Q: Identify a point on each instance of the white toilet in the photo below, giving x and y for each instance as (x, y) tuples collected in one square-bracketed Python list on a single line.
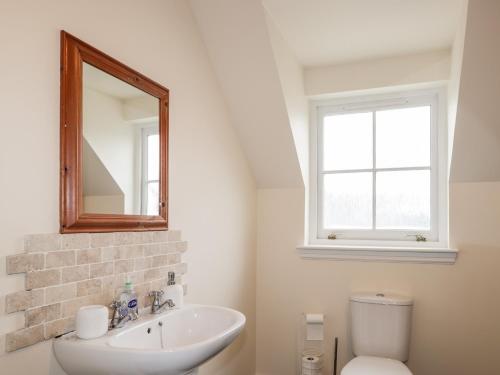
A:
[(380, 332)]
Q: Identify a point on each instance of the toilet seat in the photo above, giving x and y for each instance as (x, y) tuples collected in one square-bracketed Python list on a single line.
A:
[(365, 365)]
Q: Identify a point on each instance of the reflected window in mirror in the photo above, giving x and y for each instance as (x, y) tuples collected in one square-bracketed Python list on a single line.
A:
[(150, 170)]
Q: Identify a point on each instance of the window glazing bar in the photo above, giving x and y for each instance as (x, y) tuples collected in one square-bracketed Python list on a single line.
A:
[(378, 170)]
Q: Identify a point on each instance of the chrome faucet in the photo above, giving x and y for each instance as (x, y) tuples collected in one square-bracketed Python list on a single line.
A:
[(157, 306), (121, 314)]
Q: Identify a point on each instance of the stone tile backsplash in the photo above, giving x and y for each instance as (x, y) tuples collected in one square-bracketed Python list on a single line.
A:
[(67, 271)]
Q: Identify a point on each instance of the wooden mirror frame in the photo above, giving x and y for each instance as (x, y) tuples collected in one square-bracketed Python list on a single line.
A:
[(72, 218)]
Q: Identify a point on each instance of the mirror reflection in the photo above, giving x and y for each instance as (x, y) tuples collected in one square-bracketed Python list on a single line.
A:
[(121, 149)]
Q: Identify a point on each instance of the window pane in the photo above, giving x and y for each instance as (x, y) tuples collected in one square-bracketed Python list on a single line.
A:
[(348, 200), (348, 141), (153, 157), (403, 137), (403, 200), (153, 198)]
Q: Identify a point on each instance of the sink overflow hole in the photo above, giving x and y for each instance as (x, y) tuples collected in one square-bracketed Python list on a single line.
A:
[(149, 330)]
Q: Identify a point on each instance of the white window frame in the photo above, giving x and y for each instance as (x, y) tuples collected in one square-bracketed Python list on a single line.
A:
[(145, 132), (390, 245)]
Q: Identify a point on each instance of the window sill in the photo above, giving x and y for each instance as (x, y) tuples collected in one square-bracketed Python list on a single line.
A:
[(379, 253)]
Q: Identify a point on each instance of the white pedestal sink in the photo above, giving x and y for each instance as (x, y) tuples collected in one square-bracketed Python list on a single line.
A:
[(175, 342)]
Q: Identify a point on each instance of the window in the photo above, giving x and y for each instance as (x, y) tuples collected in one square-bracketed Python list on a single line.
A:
[(379, 171), (150, 181)]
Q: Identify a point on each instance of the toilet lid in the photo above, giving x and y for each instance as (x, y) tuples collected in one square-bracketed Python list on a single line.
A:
[(365, 365)]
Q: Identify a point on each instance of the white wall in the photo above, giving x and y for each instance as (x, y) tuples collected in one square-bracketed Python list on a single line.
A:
[(455, 322), (375, 74), (212, 192)]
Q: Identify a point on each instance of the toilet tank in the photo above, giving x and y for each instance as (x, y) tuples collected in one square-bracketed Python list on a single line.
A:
[(381, 325)]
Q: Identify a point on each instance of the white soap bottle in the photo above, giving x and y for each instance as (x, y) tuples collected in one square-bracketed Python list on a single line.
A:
[(174, 291)]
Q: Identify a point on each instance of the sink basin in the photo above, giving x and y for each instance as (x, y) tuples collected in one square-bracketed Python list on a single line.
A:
[(171, 343)]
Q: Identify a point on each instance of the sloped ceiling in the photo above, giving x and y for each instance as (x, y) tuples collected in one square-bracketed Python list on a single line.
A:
[(96, 178), (476, 147), (239, 47)]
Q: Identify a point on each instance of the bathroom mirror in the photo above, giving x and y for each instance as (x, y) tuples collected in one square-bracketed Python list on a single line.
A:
[(114, 132)]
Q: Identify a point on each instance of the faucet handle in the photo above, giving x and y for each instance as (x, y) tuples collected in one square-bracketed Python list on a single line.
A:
[(156, 293), (115, 304)]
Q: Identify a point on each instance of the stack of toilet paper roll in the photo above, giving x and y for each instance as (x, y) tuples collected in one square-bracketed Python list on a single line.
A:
[(312, 363), (312, 350)]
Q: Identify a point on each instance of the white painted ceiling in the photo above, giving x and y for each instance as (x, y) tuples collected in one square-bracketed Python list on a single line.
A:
[(327, 32)]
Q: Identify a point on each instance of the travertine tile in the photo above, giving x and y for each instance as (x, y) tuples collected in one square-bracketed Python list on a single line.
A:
[(171, 247), (124, 265), (23, 300), (41, 279), (42, 314), (110, 253), (181, 246), (147, 301), (2, 344), (101, 269), (131, 251), (60, 293), (142, 291), (75, 241), (88, 256), (23, 338), (181, 268), (145, 237), (65, 272), (159, 284), (102, 239), (160, 260), (142, 263), (42, 242), (135, 277), (127, 238), (159, 236), (152, 249), (118, 282), (76, 273), (174, 235), (174, 258), (70, 308), (23, 263), (151, 274), (88, 287), (108, 284), (60, 259), (59, 327)]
